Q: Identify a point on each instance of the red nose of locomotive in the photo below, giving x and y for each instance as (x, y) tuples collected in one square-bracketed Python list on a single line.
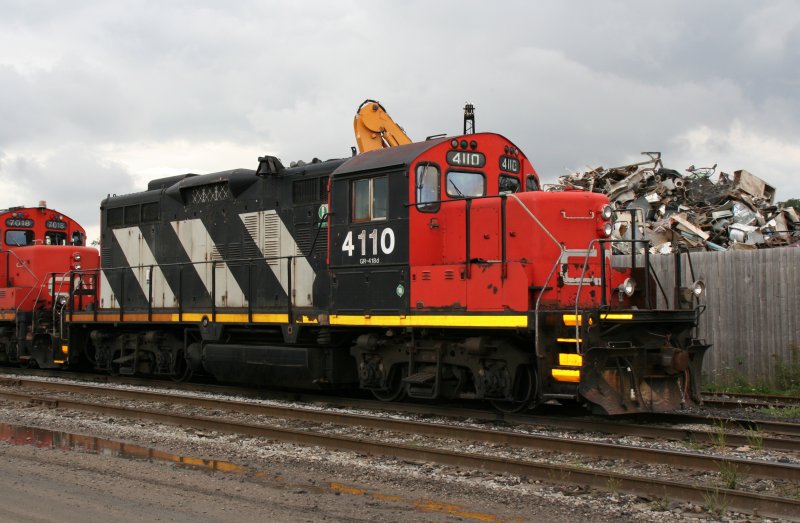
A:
[(38, 276)]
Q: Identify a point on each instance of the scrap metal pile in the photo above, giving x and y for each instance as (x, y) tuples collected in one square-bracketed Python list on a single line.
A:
[(691, 211)]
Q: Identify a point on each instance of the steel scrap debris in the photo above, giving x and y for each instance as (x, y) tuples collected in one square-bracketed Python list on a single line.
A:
[(699, 210)]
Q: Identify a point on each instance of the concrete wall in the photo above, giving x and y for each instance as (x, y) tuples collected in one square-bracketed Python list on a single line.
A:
[(753, 309)]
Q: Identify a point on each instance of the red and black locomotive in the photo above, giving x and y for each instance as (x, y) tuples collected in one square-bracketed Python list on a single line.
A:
[(437, 269)]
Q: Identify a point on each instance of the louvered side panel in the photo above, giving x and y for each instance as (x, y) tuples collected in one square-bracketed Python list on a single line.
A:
[(272, 239)]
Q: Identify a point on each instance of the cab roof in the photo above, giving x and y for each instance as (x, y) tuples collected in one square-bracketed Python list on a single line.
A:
[(385, 158)]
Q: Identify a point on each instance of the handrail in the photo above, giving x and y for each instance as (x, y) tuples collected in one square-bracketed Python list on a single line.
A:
[(580, 288), (561, 249), (181, 265), (648, 271)]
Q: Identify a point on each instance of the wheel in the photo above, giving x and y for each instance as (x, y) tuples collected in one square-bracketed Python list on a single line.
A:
[(181, 371), (90, 354), (523, 391), (396, 389)]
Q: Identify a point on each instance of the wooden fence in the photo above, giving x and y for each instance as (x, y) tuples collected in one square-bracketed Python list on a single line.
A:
[(752, 317)]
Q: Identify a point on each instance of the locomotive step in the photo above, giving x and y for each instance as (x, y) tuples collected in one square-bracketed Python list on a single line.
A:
[(420, 378)]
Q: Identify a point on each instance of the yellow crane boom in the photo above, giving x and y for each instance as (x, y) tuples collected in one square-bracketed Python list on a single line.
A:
[(375, 129)]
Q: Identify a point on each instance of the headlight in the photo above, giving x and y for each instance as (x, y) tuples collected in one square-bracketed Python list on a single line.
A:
[(628, 286), (606, 212), (77, 266), (608, 229), (699, 289)]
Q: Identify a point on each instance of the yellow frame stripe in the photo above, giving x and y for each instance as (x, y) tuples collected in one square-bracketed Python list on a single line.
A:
[(430, 321), (498, 321), (569, 340), (616, 316), (190, 317), (571, 320)]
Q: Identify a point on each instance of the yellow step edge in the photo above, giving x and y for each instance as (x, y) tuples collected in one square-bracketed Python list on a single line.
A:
[(570, 375), (570, 360)]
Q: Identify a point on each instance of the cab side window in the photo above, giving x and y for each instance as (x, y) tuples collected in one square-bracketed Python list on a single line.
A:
[(370, 199), (508, 184), (55, 238), (531, 184), (427, 184)]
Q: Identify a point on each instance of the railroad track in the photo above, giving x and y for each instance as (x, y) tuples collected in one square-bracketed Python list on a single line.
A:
[(736, 500), (771, 435), (756, 401)]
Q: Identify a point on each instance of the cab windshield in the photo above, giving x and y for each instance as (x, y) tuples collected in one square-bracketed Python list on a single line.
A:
[(19, 238), (465, 184)]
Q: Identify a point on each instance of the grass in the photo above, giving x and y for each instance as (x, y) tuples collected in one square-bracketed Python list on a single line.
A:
[(613, 485), (785, 383), (755, 439), (782, 412), (660, 504), (716, 503), (693, 445), (791, 490), (729, 474), (720, 436)]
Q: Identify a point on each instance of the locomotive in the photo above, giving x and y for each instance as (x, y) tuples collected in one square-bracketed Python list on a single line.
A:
[(38, 249), (430, 270)]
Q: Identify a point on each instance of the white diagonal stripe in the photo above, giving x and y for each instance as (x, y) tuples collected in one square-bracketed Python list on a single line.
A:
[(199, 246), (139, 257), (107, 298), (274, 240)]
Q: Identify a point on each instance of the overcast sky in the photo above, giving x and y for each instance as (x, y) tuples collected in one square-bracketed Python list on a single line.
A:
[(99, 97)]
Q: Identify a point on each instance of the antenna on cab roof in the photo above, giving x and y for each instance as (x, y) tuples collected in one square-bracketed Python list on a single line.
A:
[(469, 118)]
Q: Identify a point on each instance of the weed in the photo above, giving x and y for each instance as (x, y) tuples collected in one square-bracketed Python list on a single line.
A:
[(720, 435), (791, 490), (560, 476), (755, 439), (613, 485), (716, 503), (660, 504), (728, 473), (787, 374), (693, 445)]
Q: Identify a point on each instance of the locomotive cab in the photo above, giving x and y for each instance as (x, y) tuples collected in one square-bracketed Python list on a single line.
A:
[(473, 283)]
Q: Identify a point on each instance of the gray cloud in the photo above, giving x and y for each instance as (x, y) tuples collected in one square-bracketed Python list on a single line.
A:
[(572, 83)]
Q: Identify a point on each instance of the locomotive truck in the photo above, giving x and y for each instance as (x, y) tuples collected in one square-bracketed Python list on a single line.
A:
[(431, 270)]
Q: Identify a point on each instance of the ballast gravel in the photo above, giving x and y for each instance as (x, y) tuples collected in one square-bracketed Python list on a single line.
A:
[(375, 487)]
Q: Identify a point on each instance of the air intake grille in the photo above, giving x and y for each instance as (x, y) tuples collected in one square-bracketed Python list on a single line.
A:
[(214, 192)]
